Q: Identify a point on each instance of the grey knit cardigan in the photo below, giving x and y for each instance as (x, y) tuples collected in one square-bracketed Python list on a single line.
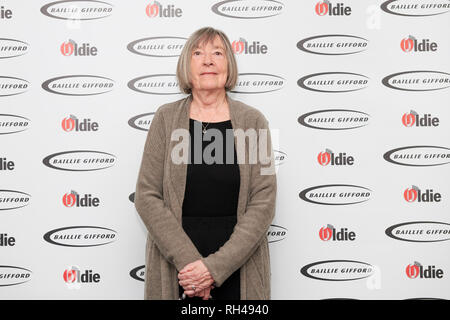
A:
[(159, 198)]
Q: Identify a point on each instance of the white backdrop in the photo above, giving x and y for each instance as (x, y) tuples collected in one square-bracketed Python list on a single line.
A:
[(344, 77)]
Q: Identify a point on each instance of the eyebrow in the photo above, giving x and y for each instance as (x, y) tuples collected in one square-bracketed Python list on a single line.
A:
[(215, 47)]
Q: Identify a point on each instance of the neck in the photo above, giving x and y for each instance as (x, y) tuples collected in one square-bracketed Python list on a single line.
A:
[(208, 98)]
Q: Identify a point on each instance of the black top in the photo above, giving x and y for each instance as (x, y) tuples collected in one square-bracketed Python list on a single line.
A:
[(211, 189), (211, 196)]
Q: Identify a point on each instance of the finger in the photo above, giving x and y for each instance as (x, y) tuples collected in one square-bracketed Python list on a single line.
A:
[(206, 294), (186, 268), (189, 293)]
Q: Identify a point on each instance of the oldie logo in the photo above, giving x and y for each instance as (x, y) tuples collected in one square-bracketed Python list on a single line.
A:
[(242, 46), (6, 165), (10, 86), (338, 270), (73, 124), (249, 83), (326, 8), (328, 157), (330, 233), (80, 160), (11, 276), (157, 46), (5, 13), (334, 119), (421, 80), (77, 10), (74, 277), (333, 44), (160, 84), (74, 199), (141, 121), (336, 194), (411, 44), (6, 240), (81, 236), (78, 85), (333, 82), (276, 233), (248, 9), (416, 194), (157, 10), (138, 273), (420, 231), (10, 199), (10, 48), (418, 271), (418, 156), (413, 119), (416, 8), (71, 48)]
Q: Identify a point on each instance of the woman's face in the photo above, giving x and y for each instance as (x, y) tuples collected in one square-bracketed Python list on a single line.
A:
[(209, 66)]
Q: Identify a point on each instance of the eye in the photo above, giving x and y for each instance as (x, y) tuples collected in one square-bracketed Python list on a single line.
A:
[(218, 53), (196, 53)]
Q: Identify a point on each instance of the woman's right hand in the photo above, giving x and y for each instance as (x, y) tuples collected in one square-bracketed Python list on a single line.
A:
[(204, 294)]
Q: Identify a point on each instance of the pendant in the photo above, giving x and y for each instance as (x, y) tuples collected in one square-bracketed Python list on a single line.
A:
[(204, 131)]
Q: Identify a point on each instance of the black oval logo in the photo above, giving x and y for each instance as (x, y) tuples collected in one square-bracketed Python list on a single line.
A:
[(81, 236), (338, 270), (333, 44), (333, 82), (77, 10), (334, 119), (420, 231), (11, 276), (336, 194), (416, 8), (80, 160), (138, 273), (141, 121), (78, 85), (418, 156)]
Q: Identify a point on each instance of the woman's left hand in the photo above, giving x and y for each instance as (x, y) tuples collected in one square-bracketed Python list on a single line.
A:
[(195, 275)]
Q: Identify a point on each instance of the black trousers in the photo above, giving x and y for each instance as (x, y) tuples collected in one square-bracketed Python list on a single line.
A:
[(208, 234)]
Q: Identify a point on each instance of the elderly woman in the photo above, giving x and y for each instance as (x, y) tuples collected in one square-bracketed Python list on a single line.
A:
[(207, 218)]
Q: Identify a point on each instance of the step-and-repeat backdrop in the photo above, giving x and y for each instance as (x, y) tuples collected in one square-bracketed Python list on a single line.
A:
[(357, 98)]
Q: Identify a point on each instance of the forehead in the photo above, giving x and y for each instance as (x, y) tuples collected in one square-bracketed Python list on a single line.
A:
[(212, 40)]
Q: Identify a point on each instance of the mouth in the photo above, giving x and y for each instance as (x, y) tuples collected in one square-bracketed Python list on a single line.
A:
[(207, 73)]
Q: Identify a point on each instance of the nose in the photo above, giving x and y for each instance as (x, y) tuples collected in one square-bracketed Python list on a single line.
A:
[(208, 60)]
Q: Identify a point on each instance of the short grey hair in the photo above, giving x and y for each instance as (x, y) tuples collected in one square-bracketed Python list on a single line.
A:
[(205, 35)]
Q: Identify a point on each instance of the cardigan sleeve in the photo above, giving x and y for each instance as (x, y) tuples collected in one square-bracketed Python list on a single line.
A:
[(253, 225), (162, 225)]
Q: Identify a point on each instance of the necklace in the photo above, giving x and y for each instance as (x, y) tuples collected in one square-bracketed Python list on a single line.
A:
[(207, 123)]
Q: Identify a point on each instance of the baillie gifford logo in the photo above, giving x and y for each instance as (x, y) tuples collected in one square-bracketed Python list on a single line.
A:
[(415, 8), (242, 46), (330, 158), (330, 233), (73, 124), (77, 10), (413, 119), (248, 9), (326, 8), (73, 199), (71, 48), (417, 270), (157, 10), (414, 194), (74, 277), (411, 44)]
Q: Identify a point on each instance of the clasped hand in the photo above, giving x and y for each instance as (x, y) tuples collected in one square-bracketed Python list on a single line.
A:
[(196, 280)]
